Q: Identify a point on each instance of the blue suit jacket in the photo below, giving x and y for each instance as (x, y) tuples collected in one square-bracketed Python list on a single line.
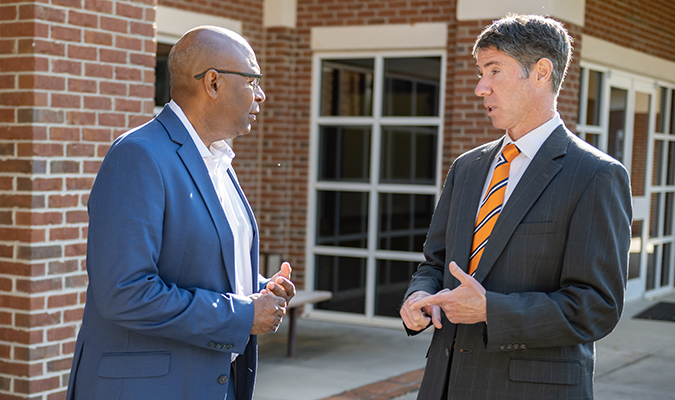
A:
[(160, 320)]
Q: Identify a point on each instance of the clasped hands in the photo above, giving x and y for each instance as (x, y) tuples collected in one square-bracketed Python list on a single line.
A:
[(465, 304), (271, 303)]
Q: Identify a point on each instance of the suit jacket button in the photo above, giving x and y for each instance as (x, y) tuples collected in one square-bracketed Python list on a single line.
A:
[(447, 352), (212, 344), (222, 379), (502, 347)]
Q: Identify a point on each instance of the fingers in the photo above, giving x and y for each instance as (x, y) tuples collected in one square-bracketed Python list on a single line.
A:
[(414, 318), (269, 312), (281, 287), (424, 302), (436, 317)]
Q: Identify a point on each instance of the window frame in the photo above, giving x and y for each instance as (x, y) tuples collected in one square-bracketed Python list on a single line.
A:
[(376, 121), (635, 83)]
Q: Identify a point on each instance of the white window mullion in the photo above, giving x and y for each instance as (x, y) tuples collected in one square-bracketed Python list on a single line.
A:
[(373, 215)]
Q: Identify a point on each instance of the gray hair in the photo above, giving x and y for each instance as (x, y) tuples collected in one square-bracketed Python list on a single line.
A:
[(528, 39)]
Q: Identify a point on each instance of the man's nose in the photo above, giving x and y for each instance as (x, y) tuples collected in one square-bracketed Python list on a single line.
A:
[(482, 89), (260, 95)]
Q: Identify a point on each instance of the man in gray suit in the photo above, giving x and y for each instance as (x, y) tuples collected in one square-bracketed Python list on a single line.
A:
[(519, 293)]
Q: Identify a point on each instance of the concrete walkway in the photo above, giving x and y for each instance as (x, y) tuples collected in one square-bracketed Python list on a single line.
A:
[(338, 361)]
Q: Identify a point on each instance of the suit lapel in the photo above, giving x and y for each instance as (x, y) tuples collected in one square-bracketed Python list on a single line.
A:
[(541, 171), (195, 166)]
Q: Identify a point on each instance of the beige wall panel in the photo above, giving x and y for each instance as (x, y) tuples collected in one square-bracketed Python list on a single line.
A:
[(567, 10), (611, 55), (380, 37), (172, 23)]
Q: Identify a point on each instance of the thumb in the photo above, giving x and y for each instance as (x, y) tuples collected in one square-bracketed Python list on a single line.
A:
[(286, 270), (458, 273)]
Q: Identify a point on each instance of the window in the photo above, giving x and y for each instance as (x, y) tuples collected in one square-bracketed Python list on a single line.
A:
[(632, 118), (376, 135), (162, 88)]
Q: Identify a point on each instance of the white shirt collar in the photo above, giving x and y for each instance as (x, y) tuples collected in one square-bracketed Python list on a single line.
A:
[(219, 149), (530, 143)]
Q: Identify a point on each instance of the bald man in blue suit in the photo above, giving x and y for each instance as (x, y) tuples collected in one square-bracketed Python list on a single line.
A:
[(175, 300)]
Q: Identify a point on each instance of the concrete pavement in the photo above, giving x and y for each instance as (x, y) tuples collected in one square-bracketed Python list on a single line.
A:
[(636, 361)]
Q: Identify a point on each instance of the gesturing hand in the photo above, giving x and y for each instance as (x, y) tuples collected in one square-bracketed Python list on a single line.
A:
[(280, 284), (465, 304), (417, 319), (269, 310)]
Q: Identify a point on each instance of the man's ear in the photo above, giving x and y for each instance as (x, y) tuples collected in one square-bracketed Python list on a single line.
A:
[(543, 71), (211, 83)]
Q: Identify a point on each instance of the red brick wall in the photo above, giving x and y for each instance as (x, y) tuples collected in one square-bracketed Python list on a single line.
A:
[(645, 26), (73, 75)]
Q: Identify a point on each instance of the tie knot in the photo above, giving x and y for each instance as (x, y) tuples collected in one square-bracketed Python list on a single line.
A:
[(510, 152)]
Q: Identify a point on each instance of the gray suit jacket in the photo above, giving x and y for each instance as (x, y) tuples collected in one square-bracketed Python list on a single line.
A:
[(554, 269)]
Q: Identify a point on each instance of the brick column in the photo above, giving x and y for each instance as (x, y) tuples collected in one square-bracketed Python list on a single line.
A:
[(74, 74)]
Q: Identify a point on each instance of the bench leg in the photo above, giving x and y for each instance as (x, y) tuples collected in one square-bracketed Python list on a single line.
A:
[(292, 317)]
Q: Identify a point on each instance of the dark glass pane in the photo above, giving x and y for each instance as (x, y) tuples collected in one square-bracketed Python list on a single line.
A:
[(635, 250), (617, 123), (393, 277), (640, 141), (665, 264), (342, 219), (657, 171), (668, 215), (652, 257), (655, 210), (670, 172), (346, 278), (579, 97), (162, 88), (593, 140), (411, 87), (593, 103), (661, 97), (344, 153), (409, 154), (404, 221), (347, 87), (672, 112)]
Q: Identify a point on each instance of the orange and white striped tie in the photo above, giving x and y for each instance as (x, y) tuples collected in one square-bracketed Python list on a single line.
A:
[(491, 205)]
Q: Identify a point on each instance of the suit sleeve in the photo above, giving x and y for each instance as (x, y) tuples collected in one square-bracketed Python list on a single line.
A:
[(126, 210), (589, 302), (429, 275)]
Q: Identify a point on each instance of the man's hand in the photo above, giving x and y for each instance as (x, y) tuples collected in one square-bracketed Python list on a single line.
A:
[(269, 310), (417, 318), (281, 284), (465, 304)]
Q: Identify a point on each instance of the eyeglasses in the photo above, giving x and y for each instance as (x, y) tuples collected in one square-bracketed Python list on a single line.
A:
[(255, 83)]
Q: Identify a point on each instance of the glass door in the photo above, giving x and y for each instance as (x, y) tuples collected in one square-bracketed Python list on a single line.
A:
[(660, 240), (629, 122)]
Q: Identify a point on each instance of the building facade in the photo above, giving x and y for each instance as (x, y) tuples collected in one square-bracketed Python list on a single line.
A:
[(368, 103)]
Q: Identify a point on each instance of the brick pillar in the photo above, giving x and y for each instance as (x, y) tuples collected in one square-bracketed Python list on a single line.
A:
[(74, 74), (471, 126), (282, 158)]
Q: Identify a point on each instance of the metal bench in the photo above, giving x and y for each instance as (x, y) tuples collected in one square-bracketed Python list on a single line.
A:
[(301, 298)]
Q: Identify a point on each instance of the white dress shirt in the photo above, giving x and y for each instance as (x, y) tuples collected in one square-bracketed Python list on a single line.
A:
[(529, 146), (218, 161)]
